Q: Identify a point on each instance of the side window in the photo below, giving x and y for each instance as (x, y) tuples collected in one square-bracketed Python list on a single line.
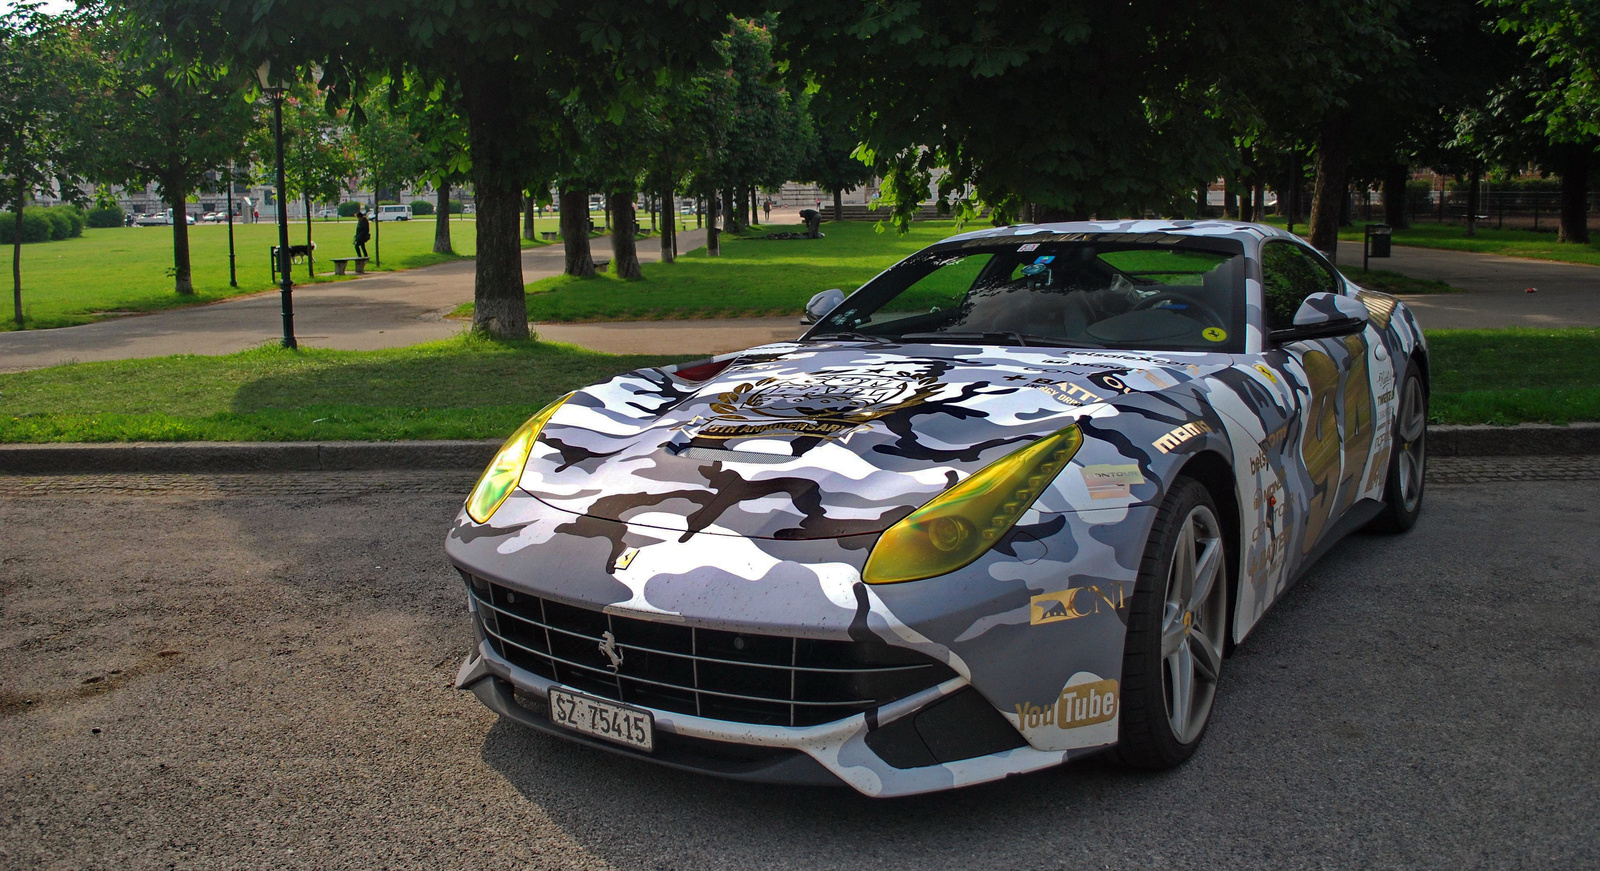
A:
[(1288, 276)]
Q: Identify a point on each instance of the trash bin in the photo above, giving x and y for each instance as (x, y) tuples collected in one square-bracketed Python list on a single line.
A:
[(1380, 235)]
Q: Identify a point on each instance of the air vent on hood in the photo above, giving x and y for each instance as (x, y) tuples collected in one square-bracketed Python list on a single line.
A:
[(728, 456)]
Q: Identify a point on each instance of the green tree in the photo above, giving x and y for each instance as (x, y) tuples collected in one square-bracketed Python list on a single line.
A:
[(1078, 107), (833, 165), (319, 158), (388, 157), (505, 57), (1564, 87), (46, 68), (168, 120)]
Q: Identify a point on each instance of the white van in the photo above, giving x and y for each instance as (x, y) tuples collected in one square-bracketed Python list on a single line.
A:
[(394, 213)]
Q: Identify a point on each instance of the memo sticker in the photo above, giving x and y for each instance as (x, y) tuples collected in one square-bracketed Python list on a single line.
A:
[(1028, 247), (1215, 334)]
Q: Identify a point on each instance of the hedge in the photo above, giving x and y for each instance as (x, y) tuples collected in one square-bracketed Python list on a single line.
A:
[(348, 209), (106, 216), (455, 206), (421, 207), (42, 225)]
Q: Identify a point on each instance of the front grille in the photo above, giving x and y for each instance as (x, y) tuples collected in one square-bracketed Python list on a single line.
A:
[(742, 677)]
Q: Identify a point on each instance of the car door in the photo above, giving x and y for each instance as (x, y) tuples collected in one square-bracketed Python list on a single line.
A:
[(1336, 414)]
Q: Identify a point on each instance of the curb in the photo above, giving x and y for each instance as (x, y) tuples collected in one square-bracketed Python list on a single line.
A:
[(472, 455), (214, 457)]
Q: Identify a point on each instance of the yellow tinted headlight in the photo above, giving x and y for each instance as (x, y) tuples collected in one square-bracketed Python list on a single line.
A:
[(505, 469), (963, 522)]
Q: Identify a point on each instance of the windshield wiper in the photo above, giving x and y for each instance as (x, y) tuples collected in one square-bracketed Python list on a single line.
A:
[(1015, 338)]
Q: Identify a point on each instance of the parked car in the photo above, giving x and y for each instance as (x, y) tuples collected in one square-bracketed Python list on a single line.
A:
[(394, 213), (1008, 504)]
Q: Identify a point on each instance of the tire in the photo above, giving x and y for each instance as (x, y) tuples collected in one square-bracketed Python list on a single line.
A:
[(1408, 460), (1177, 631)]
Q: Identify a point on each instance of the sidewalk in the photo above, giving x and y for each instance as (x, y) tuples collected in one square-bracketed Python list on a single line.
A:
[(1565, 294)]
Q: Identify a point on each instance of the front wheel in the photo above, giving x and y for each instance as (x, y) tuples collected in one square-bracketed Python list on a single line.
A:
[(1177, 626), (1408, 460)]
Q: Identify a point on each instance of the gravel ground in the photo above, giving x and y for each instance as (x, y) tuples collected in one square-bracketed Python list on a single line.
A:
[(250, 671)]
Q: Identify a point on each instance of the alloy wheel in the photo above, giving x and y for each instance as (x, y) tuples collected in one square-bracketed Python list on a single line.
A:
[(1192, 623)]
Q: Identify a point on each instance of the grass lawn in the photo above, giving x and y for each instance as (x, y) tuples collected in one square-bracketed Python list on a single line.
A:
[(474, 388), (1515, 375), (128, 269), (1510, 243), (753, 277), (459, 388)]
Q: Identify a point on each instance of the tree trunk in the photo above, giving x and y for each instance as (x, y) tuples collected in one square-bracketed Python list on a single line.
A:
[(1574, 195), (530, 211), (1345, 210), (575, 232), (838, 204), (1394, 195), (1200, 201), (669, 228), (1230, 199), (731, 211), (624, 230), (499, 158), (16, 253), (1260, 209), (713, 228), (1472, 201), (441, 222), (1333, 159), (177, 195)]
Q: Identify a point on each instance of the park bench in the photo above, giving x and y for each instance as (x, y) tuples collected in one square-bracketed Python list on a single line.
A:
[(339, 264), (549, 235), (600, 265)]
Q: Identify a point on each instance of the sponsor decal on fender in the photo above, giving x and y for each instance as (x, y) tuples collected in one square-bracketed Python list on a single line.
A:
[(1182, 434), (825, 404), (1109, 481), (1083, 704), (1072, 603)]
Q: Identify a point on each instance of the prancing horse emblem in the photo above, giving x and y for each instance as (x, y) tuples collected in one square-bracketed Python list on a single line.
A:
[(608, 646)]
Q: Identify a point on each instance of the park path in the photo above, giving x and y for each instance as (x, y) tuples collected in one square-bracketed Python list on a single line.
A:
[(382, 310), (1565, 294)]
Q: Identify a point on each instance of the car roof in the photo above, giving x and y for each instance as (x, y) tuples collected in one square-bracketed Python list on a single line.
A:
[(1252, 235)]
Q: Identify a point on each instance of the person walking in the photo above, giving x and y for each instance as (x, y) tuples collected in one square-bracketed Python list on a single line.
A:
[(766, 208), (363, 232)]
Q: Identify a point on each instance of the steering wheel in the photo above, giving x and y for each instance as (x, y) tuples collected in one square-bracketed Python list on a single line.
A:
[(1194, 308)]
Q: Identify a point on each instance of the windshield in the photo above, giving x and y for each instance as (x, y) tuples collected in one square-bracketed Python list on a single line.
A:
[(1155, 292)]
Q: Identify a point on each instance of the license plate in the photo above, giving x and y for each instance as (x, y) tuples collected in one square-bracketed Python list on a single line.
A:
[(621, 724)]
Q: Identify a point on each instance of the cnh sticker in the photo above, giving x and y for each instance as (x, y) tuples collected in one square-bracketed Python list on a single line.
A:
[(1215, 334)]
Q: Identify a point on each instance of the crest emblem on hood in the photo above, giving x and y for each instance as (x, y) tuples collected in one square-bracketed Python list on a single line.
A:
[(817, 404)]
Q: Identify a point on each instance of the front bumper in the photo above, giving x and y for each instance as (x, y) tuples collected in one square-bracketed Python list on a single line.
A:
[(827, 754)]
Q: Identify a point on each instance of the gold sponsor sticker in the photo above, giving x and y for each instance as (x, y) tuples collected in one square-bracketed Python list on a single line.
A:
[(1111, 481), (1167, 443), (1083, 704), (1072, 603)]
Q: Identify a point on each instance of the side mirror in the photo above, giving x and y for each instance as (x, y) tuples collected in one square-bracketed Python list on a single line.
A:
[(1324, 316), (818, 306)]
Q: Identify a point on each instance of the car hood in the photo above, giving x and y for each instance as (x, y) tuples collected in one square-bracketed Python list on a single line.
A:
[(821, 440)]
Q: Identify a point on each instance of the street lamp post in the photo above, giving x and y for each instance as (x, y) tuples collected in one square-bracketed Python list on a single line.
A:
[(233, 273), (275, 89)]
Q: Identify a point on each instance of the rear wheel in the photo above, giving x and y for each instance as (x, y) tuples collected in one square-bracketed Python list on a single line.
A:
[(1408, 460), (1177, 626)]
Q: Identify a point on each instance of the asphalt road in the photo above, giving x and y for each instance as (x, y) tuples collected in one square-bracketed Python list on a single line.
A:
[(1564, 294), (255, 671)]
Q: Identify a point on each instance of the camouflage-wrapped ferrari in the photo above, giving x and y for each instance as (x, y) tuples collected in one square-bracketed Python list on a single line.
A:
[(1009, 503)]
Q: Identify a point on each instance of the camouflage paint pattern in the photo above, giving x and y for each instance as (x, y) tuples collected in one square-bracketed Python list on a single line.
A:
[(751, 500)]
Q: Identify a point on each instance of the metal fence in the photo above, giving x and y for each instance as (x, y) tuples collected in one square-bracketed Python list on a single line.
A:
[(1520, 210)]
